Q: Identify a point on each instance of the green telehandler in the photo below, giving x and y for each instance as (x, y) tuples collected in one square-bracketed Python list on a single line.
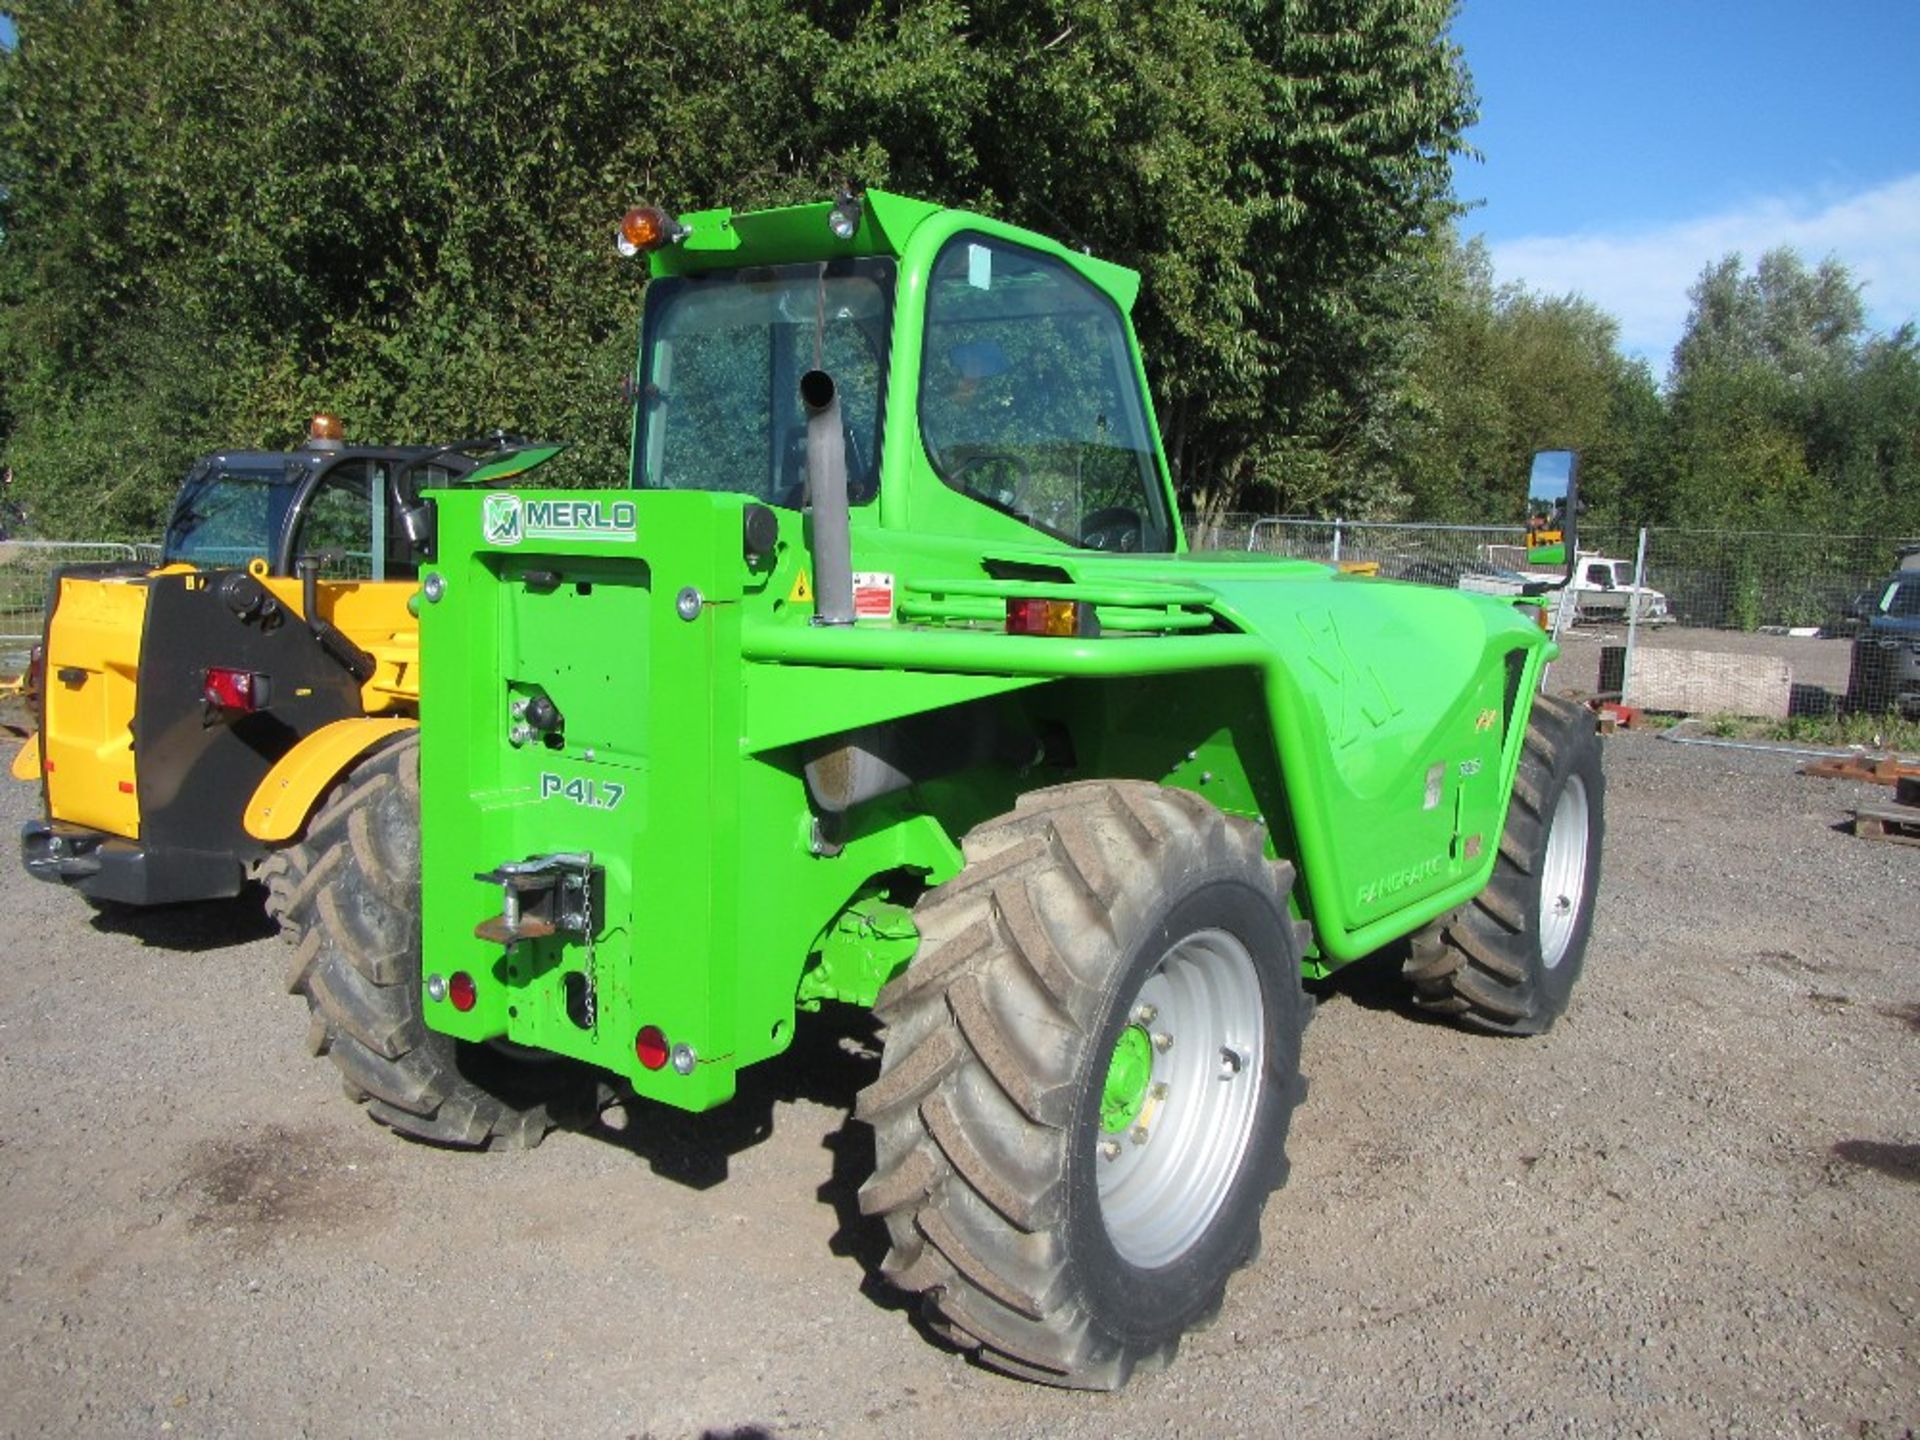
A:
[(890, 681)]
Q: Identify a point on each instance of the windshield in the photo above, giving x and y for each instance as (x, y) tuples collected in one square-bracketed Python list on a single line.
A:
[(1622, 573), (228, 515), (720, 365)]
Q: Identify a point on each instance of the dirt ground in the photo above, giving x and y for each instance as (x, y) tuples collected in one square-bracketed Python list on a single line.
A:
[(1693, 1209)]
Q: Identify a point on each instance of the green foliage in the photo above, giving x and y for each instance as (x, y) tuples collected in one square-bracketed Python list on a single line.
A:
[(1785, 413), (1505, 372), (1836, 730), (221, 215), (1859, 730)]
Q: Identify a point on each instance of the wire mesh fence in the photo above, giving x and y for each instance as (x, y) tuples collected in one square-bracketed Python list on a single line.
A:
[(26, 569), (1696, 621), (1693, 621)]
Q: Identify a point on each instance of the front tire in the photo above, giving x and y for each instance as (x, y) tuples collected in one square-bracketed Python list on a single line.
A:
[(356, 912), (1088, 1076), (1508, 961)]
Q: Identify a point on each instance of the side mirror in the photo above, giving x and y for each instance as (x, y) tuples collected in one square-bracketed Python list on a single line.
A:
[(1553, 490)]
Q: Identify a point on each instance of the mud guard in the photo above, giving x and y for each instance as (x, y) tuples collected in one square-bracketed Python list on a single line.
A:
[(299, 778)]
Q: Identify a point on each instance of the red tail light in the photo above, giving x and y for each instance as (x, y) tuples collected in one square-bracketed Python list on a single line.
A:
[(240, 692), (1050, 617), (650, 1045), (461, 991)]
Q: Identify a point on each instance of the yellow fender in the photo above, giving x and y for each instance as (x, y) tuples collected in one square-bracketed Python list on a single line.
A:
[(26, 764), (301, 776)]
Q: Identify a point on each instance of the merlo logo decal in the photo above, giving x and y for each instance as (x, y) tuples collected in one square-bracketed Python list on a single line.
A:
[(1354, 692), (500, 523)]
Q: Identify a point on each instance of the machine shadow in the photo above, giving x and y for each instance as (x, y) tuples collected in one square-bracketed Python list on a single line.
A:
[(1374, 983), (193, 927), (835, 1054)]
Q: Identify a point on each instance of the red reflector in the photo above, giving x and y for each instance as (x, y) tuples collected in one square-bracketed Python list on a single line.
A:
[(1044, 617), (460, 990), (238, 690), (126, 787), (651, 1046)]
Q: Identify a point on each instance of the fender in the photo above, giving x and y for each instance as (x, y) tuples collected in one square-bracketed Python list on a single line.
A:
[(287, 795)]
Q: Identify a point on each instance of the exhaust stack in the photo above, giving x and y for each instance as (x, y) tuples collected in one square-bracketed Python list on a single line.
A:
[(827, 498)]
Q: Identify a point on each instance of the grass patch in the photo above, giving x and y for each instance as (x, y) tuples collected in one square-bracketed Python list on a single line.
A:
[(1878, 732), (1873, 732)]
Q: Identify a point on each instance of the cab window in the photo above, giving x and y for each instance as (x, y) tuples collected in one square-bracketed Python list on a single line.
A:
[(718, 406), (346, 523), (228, 514), (1030, 400)]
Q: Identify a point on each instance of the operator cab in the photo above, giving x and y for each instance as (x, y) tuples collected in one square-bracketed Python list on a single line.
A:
[(352, 509), (1030, 399)]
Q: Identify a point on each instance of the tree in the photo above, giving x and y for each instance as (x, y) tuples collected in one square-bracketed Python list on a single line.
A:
[(222, 214), (1505, 372), (1783, 316), (1786, 412)]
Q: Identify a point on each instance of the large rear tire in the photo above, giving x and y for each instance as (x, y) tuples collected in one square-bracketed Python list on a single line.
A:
[(356, 908), (1508, 961), (1088, 1075), (283, 876)]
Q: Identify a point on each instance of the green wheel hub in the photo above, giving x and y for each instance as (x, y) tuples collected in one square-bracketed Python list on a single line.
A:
[(1125, 1095)]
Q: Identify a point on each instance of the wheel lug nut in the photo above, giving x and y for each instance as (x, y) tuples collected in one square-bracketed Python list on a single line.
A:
[(1145, 1014), (1162, 1041), (1138, 1135), (1110, 1149), (1159, 1090)]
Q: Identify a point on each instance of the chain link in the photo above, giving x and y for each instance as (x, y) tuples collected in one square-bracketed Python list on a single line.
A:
[(592, 1007)]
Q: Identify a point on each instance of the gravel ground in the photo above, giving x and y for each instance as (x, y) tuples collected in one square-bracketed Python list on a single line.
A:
[(1691, 1210)]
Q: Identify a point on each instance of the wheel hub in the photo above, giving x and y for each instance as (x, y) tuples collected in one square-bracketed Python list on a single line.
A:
[(1179, 1098), (1128, 1076), (1563, 880)]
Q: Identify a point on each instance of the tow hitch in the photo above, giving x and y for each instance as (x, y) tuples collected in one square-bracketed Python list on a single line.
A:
[(540, 896)]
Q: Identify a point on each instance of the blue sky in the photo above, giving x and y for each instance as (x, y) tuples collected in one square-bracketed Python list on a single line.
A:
[(1630, 143)]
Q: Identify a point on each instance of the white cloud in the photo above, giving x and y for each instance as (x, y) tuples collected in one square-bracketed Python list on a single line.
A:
[(1641, 278)]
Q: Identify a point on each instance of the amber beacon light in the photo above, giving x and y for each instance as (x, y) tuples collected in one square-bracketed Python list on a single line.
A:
[(647, 227)]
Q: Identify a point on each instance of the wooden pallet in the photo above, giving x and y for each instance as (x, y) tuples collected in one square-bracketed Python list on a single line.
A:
[(1898, 823), (1874, 772)]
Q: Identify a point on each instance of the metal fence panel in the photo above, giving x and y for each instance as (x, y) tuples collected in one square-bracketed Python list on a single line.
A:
[(1766, 621), (26, 568), (1740, 621)]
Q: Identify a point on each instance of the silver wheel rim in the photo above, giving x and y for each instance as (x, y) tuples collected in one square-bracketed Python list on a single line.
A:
[(1563, 877), (1163, 1179)]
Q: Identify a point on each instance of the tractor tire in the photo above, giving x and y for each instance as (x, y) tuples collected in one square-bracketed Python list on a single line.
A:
[(283, 876), (357, 910), (1087, 1078), (1507, 961)]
